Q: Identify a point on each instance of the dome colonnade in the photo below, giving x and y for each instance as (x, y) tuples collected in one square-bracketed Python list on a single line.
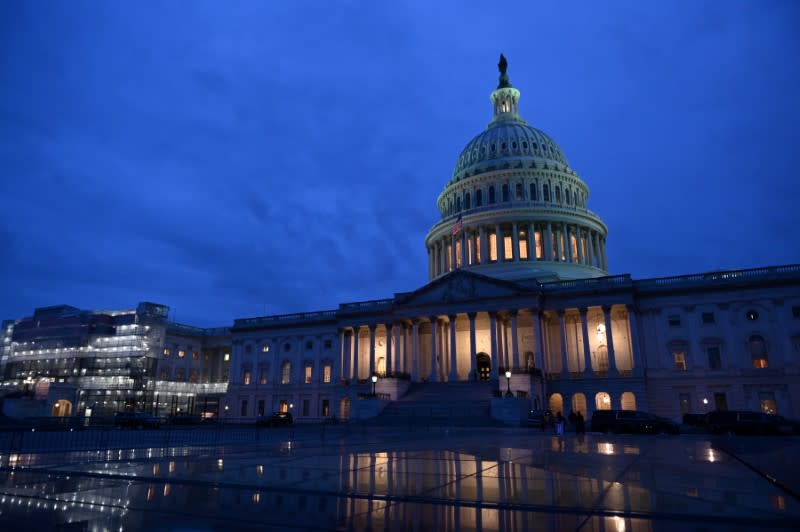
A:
[(514, 209)]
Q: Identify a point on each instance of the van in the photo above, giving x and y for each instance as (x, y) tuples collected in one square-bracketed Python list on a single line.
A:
[(631, 422)]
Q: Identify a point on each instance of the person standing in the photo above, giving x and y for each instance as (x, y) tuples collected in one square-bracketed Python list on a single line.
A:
[(580, 423)]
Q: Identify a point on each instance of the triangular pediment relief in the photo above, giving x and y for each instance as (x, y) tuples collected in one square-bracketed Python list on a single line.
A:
[(461, 286)]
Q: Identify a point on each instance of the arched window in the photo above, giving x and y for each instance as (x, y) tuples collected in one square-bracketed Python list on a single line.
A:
[(467, 201), (556, 404), (602, 401), (579, 404), (491, 194), (286, 372), (458, 204), (566, 193), (505, 191), (558, 194), (534, 197), (518, 192), (628, 401), (758, 351), (546, 192), (478, 198)]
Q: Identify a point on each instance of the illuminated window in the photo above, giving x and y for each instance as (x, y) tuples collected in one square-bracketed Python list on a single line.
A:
[(563, 248), (534, 196), (181, 353), (538, 238), (469, 250), (246, 377), (307, 377), (226, 357), (286, 373), (523, 245), (205, 356), (326, 408), (574, 244), (449, 258), (768, 404), (492, 247), (458, 252), (478, 255), (167, 351), (265, 348), (758, 351), (508, 247), (195, 355), (680, 360), (327, 369), (283, 406), (263, 373)]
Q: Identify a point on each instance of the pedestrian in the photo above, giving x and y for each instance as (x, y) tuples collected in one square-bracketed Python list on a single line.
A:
[(560, 424), (572, 418), (580, 423)]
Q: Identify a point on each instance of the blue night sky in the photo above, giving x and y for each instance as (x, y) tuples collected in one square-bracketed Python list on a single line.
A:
[(235, 159)]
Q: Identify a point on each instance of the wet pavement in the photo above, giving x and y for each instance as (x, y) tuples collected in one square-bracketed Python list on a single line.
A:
[(374, 478)]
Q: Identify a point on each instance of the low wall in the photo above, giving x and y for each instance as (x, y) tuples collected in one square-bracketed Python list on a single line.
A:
[(512, 411)]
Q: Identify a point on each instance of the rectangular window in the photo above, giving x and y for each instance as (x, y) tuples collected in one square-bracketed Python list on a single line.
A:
[(714, 361), (685, 401), (708, 318), (246, 377), (449, 259), (326, 408), (546, 192), (243, 410), (574, 244), (680, 360), (181, 353), (492, 247), (265, 348), (674, 320), (479, 198), (286, 373), (534, 196), (326, 373), (226, 357), (523, 245), (308, 375), (262, 375), (260, 407), (283, 406), (164, 374), (508, 247), (505, 192), (720, 401), (478, 249), (563, 249), (167, 351), (179, 375), (768, 404), (518, 192), (538, 237), (469, 251), (195, 355), (458, 252), (491, 194), (305, 407)]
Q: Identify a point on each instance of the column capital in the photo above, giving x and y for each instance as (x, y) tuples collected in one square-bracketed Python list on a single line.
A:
[(606, 309), (561, 312), (452, 317), (584, 311), (472, 315), (372, 327)]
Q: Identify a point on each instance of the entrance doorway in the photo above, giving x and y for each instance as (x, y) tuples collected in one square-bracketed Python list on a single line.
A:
[(484, 366)]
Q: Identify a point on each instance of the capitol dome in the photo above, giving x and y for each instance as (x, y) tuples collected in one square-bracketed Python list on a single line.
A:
[(513, 208)]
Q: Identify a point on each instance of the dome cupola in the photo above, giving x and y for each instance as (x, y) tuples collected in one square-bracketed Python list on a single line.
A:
[(513, 208)]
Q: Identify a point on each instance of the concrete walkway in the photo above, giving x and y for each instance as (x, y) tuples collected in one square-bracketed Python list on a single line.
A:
[(375, 478)]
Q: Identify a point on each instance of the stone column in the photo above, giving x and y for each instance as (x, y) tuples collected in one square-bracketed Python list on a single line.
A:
[(399, 352), (581, 258), (356, 331), (603, 253), (453, 263), (473, 354), (453, 358), (462, 236), (342, 369), (531, 242), (388, 368), (564, 361), (484, 255), (587, 354), (590, 245), (514, 242), (559, 245), (548, 242), (538, 338), (514, 341), (636, 352), (498, 242), (612, 359), (371, 351), (493, 342), (434, 372), (568, 243), (414, 351)]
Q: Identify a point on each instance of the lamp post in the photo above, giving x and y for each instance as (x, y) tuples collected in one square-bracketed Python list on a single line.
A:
[(508, 380), (374, 380)]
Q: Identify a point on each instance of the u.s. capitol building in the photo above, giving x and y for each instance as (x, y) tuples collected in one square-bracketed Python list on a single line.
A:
[(519, 283)]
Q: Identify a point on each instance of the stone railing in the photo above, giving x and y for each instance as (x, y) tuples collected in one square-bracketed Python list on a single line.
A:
[(587, 284), (286, 318), (720, 277), (190, 387), (367, 305), (189, 330)]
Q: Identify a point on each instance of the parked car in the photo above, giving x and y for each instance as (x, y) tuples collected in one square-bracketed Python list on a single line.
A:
[(748, 422), (631, 422), (276, 419), (136, 420), (540, 419)]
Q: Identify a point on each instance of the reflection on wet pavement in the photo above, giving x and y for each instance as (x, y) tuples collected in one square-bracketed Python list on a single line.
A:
[(493, 479)]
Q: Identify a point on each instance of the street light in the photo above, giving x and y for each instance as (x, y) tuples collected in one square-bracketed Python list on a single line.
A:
[(374, 380), (508, 380)]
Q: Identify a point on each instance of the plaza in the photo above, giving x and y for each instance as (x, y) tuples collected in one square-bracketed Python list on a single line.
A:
[(359, 477)]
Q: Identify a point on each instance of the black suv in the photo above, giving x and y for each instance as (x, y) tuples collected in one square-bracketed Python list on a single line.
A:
[(540, 419), (276, 419), (746, 422), (632, 422)]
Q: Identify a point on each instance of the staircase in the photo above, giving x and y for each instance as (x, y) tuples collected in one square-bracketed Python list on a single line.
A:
[(460, 404)]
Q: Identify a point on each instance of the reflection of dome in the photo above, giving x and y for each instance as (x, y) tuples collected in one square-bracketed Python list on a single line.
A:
[(513, 208)]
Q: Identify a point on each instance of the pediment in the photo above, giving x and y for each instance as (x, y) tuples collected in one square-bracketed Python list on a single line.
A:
[(461, 286)]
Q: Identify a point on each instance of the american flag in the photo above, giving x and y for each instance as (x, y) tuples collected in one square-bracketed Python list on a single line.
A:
[(457, 226)]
